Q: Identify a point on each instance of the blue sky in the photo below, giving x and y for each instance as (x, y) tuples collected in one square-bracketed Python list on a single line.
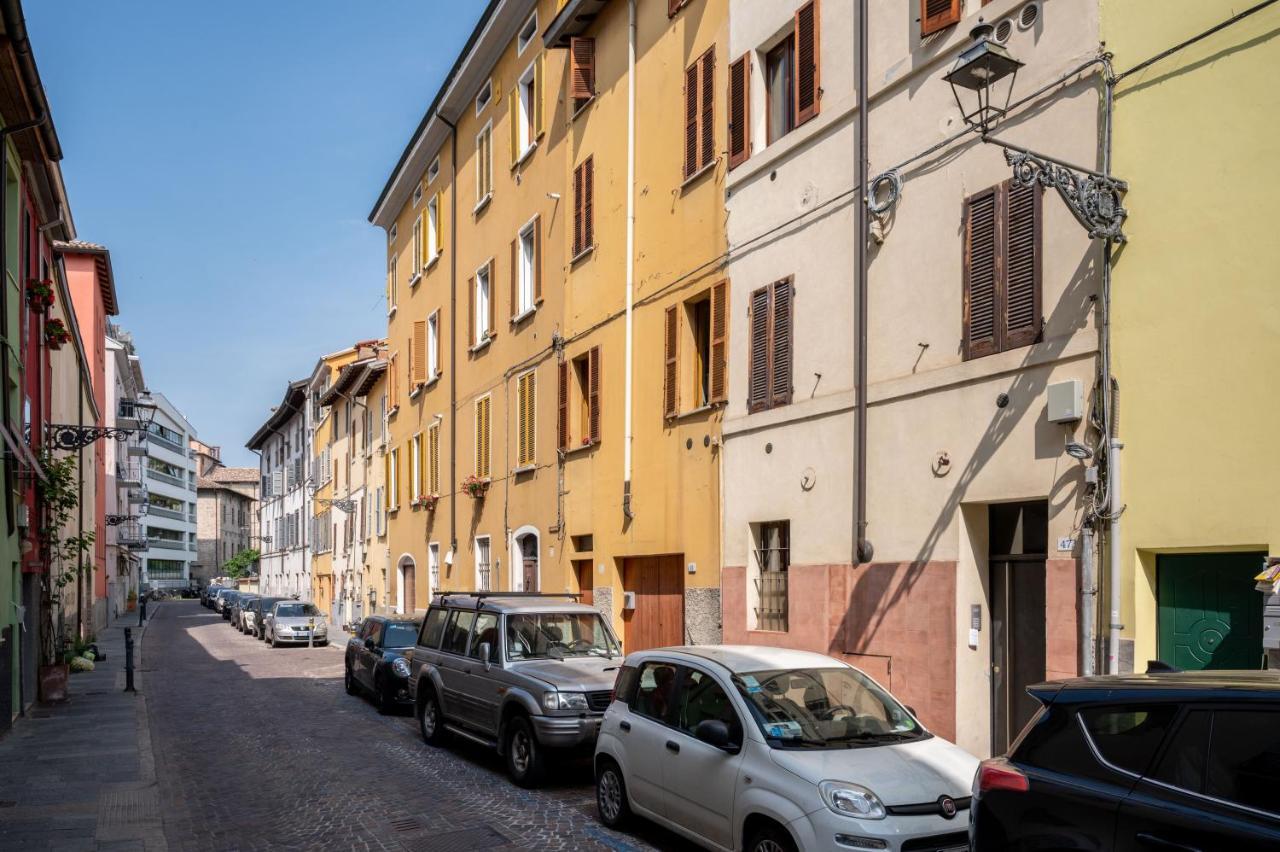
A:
[(228, 153)]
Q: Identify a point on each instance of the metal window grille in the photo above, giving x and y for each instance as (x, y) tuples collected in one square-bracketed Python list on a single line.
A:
[(482, 564), (773, 559)]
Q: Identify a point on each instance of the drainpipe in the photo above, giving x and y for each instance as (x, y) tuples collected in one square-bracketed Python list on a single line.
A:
[(1116, 559), (631, 257), (1088, 603), (453, 342), (863, 551)]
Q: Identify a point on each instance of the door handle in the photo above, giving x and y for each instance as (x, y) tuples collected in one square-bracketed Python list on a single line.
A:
[(1160, 843), (673, 746), (624, 725)]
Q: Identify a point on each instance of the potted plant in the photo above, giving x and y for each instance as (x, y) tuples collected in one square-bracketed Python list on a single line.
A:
[(429, 501), (131, 602), (56, 333), (40, 294), (475, 486)]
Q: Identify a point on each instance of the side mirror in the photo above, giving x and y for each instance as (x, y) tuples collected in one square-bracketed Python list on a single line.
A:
[(486, 651), (911, 710), (714, 732), (370, 644)]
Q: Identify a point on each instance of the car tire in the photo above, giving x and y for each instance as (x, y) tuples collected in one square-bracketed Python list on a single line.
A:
[(611, 795), (525, 760), (431, 719), (349, 682), (770, 838), (274, 643), (381, 702)]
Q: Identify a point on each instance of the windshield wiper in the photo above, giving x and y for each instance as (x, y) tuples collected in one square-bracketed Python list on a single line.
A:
[(887, 736)]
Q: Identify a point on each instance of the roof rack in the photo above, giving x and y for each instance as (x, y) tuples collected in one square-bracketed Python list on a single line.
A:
[(480, 596)]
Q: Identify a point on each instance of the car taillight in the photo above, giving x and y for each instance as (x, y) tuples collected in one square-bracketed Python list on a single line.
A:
[(999, 774)]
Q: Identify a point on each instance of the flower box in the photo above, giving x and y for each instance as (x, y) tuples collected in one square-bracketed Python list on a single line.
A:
[(475, 487), (56, 334), (40, 295)]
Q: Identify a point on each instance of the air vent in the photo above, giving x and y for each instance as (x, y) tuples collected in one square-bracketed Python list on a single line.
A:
[(1003, 30), (1029, 15)]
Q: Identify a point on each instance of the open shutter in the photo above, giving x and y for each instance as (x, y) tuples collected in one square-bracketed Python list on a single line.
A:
[(537, 96), (515, 277), (471, 311), (758, 367), (577, 211), (780, 350), (588, 203), (582, 70), (424, 252), (691, 89), (439, 229), (393, 383), (739, 110), (670, 371), (938, 15), (513, 119), (439, 337), (593, 394), (706, 128), (808, 48), (980, 250), (719, 341), (537, 259), (493, 301), (419, 352), (410, 366), (562, 402), (1021, 265)]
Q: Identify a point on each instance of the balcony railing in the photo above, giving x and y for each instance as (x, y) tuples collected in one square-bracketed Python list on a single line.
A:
[(161, 476), (191, 545), (166, 544), (137, 496), (161, 512), (162, 441), (131, 535), (128, 474)]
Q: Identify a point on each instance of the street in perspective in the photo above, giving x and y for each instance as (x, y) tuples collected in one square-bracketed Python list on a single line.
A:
[(624, 425)]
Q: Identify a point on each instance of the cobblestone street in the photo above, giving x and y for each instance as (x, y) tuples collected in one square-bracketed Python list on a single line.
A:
[(260, 748)]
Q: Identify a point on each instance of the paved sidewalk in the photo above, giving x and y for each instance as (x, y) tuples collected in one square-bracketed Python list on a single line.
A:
[(81, 775)]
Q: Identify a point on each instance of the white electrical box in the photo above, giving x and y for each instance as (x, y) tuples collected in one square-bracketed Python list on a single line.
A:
[(628, 600), (1065, 401)]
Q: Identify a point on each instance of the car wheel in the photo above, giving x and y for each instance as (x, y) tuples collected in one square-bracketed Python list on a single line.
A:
[(274, 643), (525, 762), (770, 838), (430, 719), (349, 682), (380, 701), (611, 795)]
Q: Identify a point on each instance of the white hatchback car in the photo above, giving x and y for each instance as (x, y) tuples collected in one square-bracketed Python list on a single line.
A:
[(769, 750)]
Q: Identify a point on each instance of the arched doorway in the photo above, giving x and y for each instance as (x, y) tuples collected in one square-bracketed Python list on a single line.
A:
[(406, 585), (525, 567)]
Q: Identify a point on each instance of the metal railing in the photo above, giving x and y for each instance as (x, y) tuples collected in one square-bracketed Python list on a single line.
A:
[(129, 473), (771, 589), (166, 443), (161, 512), (161, 476), (130, 534), (166, 544)]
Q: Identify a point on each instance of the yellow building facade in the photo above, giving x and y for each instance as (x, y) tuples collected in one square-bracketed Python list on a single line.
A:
[(1196, 326)]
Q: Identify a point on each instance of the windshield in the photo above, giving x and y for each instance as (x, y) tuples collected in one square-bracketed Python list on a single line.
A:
[(296, 610), (400, 635), (265, 604), (540, 636), (825, 708)]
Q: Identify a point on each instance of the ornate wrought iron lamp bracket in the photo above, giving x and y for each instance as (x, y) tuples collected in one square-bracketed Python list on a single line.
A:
[(67, 437), (117, 520), (1093, 198), (347, 506)]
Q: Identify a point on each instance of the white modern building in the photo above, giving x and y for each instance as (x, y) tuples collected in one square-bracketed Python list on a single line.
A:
[(169, 478), (284, 508)]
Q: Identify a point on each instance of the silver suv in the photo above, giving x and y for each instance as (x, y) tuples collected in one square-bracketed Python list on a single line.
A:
[(520, 672)]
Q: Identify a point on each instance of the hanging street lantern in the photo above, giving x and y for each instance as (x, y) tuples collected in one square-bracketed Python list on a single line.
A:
[(987, 70)]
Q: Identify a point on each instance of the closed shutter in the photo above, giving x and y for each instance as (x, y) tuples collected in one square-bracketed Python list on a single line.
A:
[(577, 211), (593, 394), (537, 259), (433, 459), (670, 372), (758, 367), (393, 383), (780, 354), (1002, 307), (938, 15), (706, 130), (537, 97), (1022, 265), (419, 352), (808, 50), (527, 398), (562, 402), (739, 111), (691, 89), (513, 118), (719, 341), (424, 223), (482, 437), (980, 274), (386, 475), (588, 203), (582, 70), (277, 482)]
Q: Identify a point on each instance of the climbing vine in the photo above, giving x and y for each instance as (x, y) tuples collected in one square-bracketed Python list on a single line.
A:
[(59, 491), (239, 565)]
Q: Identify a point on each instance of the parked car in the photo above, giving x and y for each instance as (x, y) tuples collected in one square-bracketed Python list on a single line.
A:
[(241, 613), (769, 750), (376, 660), (254, 615), (223, 601), (526, 674), (230, 606), (207, 595), (293, 621), (1165, 760)]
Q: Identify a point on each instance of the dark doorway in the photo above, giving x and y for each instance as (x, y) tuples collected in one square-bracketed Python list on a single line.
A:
[(529, 563), (1019, 534), (1209, 613)]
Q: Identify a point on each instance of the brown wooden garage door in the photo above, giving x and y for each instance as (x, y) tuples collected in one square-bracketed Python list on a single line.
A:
[(658, 619)]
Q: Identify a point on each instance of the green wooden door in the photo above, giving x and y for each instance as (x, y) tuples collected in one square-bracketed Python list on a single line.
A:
[(1210, 617)]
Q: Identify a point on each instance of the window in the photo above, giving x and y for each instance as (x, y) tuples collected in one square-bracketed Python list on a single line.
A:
[(937, 15), (1183, 760), (484, 166), (699, 114), (482, 563), (1128, 737), (792, 77), (433, 458), (433, 345), (432, 628), (526, 405), (583, 202), (391, 234), (527, 33), (1244, 758), (433, 170), (393, 479), (702, 699), (526, 111), (773, 563), (393, 387), (457, 631), (417, 356), (417, 194), (769, 323), (434, 240), (482, 436), (526, 269), (1001, 269), (486, 630), (582, 71), (484, 96), (417, 258), (415, 467), (704, 333), (391, 285), (655, 691), (433, 564), (778, 87), (578, 400), (482, 307)]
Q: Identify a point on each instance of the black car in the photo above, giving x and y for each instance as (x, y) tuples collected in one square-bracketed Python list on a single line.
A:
[(1162, 761), (375, 660), (207, 594), (258, 606), (229, 601)]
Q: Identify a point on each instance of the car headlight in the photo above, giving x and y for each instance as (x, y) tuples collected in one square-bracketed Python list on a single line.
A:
[(400, 666), (851, 800), (564, 701)]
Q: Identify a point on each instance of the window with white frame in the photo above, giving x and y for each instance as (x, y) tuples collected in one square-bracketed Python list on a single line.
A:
[(391, 235), (391, 284), (484, 96), (433, 227), (526, 130), (393, 480), (484, 164), (527, 270), (416, 261), (433, 345), (433, 566), (417, 195), (415, 467), (433, 170), (527, 33), (483, 566), (483, 294)]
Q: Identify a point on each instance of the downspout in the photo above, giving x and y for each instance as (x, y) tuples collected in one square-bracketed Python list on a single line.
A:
[(453, 342), (631, 262), (863, 551)]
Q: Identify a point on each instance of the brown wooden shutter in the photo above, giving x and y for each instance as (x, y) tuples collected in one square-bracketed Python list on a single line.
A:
[(739, 110), (758, 366), (393, 383), (593, 393), (577, 211), (670, 371), (1021, 265), (706, 130), (471, 311), (513, 119), (515, 276), (588, 203), (419, 351), (562, 400), (409, 367), (719, 341), (537, 129), (691, 89), (673, 6), (808, 57), (781, 343), (537, 259), (938, 15), (493, 301), (582, 70), (980, 273)]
